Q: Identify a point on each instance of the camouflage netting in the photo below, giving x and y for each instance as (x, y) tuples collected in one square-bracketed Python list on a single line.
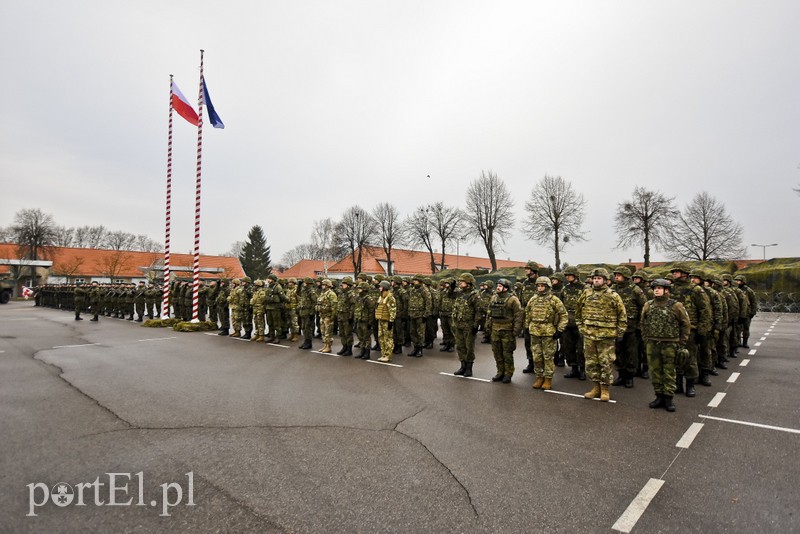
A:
[(777, 284), (186, 326), (160, 323)]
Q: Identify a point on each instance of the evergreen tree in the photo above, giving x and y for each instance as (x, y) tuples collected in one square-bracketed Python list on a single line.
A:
[(255, 254)]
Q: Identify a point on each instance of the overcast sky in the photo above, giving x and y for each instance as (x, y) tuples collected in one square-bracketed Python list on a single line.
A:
[(329, 104)]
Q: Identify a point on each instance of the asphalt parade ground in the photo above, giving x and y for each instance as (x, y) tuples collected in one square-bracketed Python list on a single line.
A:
[(112, 427)]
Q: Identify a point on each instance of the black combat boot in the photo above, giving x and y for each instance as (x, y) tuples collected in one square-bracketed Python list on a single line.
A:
[(528, 369), (678, 383), (658, 402), (628, 383), (365, 356), (744, 343), (342, 350), (498, 377), (348, 350), (573, 373), (704, 380), (645, 371), (450, 348), (94, 319), (428, 345), (460, 371), (360, 354), (468, 369), (668, 405), (223, 332), (713, 372), (721, 364), (621, 378), (690, 392), (398, 349), (582, 371), (306, 345)]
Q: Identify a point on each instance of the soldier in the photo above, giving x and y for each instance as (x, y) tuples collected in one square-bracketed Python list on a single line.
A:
[(504, 319), (257, 302), (130, 298), (752, 307), (187, 301), (557, 281), (432, 321), (223, 311), (139, 300), (547, 319), (571, 341), (640, 279), (79, 300), (698, 308), (627, 350), (385, 314), (744, 312), (234, 302), (95, 300), (246, 308), (419, 308), (291, 309), (528, 290), (401, 316), (446, 300), (717, 301), (306, 305), (466, 317), (151, 295), (364, 314), (275, 301), (732, 303), (326, 307), (485, 295), (705, 360), (601, 318), (345, 306), (665, 330), (202, 300)]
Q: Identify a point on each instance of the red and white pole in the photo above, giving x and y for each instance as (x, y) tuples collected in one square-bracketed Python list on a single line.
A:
[(196, 267), (165, 298)]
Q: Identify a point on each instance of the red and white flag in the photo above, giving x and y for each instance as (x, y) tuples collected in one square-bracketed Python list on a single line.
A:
[(182, 106), (27, 292)]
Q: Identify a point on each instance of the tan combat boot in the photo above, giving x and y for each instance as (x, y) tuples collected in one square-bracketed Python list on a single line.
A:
[(594, 393), (293, 337), (548, 383), (326, 348), (605, 396), (384, 359), (539, 382)]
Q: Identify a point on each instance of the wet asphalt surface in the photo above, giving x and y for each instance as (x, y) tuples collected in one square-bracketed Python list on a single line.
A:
[(279, 439)]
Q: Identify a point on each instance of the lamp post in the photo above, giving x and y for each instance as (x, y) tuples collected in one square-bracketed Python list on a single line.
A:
[(764, 248)]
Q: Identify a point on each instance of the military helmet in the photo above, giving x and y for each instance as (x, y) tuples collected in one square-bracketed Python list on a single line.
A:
[(699, 273), (247, 279), (385, 285), (544, 280), (308, 280), (727, 277), (679, 266), (272, 277), (600, 271), (741, 278), (532, 265), (571, 270), (363, 286), (661, 282), (397, 279), (558, 276), (347, 280), (292, 280), (327, 282), (428, 281), (624, 271), (379, 278), (467, 277), (504, 282), (258, 283), (419, 278), (236, 281), (640, 274)]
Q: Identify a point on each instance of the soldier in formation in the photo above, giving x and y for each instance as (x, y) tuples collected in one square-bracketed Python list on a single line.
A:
[(504, 319)]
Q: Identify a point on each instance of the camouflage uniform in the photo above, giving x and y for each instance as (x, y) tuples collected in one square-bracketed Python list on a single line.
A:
[(466, 317), (291, 309), (139, 301), (344, 315), (485, 295), (246, 308), (571, 342), (364, 314), (79, 300), (546, 318), (213, 291), (326, 307), (275, 300), (235, 303), (401, 299), (95, 300), (432, 321), (527, 291), (504, 319), (446, 314), (695, 300), (223, 311), (419, 308), (752, 307), (258, 301), (732, 301), (627, 350), (306, 305), (385, 315)]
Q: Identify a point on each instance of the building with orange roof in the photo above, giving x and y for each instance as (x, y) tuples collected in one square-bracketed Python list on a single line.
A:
[(303, 269)]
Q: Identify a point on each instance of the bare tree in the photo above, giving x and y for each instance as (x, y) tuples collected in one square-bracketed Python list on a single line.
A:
[(304, 251), (114, 264), (6, 235), (645, 219), (145, 244), (706, 231), (390, 232), (235, 250), (119, 240), (34, 231), (555, 215), (65, 237), (489, 211), (420, 231), (90, 236), (449, 224), (354, 231), (322, 239)]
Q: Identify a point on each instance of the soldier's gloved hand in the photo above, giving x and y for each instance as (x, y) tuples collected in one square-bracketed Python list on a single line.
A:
[(699, 338), (391, 325), (557, 335)]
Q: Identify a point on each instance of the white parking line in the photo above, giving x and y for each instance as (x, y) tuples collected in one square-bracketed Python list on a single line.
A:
[(689, 435), (766, 333), (733, 377), (752, 352), (71, 346), (467, 377), (575, 395), (758, 344), (758, 425), (385, 363), (636, 508), (717, 399), (278, 345), (158, 338), (744, 363), (763, 339)]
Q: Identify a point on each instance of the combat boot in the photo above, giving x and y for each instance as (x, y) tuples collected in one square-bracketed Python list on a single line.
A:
[(704, 380), (450, 348), (246, 335), (257, 339), (605, 395), (744, 343), (668, 405), (506, 379), (594, 392), (384, 359), (712, 372), (721, 364), (621, 378), (628, 380), (539, 382), (467, 369), (398, 349), (679, 384), (460, 371), (645, 371), (498, 377), (690, 392), (223, 332), (348, 350), (548, 383), (94, 319), (658, 402), (342, 350), (528, 369), (293, 337), (365, 356), (306, 345), (573, 373), (326, 348), (360, 354), (582, 371), (428, 345)]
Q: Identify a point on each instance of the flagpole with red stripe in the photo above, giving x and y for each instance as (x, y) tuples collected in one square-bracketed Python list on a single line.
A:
[(196, 266), (165, 298)]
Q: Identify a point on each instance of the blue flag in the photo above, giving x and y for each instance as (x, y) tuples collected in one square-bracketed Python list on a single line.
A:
[(216, 122)]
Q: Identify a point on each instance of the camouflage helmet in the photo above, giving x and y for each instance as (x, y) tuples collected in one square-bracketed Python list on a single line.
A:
[(468, 278), (727, 277), (327, 282), (292, 280), (364, 277), (600, 271), (533, 266), (505, 282), (308, 280), (661, 282), (419, 278), (379, 278), (347, 280), (247, 279), (258, 283), (679, 266), (740, 278), (273, 277), (558, 276), (640, 274), (385, 285), (236, 281), (363, 286), (397, 279), (572, 270), (544, 280), (698, 273), (624, 271)]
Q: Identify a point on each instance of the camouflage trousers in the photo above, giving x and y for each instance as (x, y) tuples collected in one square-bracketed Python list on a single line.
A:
[(706, 358), (224, 317), (291, 320), (259, 320), (543, 349), (572, 346), (274, 320), (465, 343), (416, 326), (504, 342), (307, 322), (447, 330), (364, 332), (627, 352), (385, 339), (326, 328), (746, 329), (723, 343), (690, 369), (212, 313), (236, 320), (661, 361), (346, 329), (150, 309), (599, 354), (399, 333), (431, 329)]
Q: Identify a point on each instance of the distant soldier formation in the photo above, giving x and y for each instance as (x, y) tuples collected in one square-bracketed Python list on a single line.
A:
[(675, 331)]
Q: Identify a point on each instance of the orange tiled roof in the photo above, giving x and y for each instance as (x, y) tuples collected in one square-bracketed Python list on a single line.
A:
[(302, 269)]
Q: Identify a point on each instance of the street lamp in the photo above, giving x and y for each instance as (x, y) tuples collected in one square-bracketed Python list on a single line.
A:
[(764, 248)]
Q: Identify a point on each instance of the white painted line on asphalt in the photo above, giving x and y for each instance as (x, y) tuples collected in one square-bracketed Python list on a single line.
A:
[(467, 377), (716, 400), (2, 351), (636, 508), (278, 345), (758, 425), (766, 333), (158, 338), (612, 401), (752, 352), (763, 339), (385, 363), (689, 435), (758, 344), (733, 377), (322, 353), (744, 363), (71, 346)]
